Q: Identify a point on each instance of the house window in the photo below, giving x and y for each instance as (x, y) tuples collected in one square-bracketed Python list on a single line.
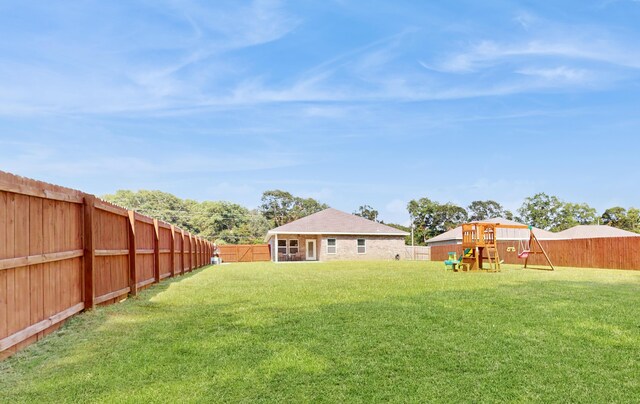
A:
[(362, 246), (332, 247), (293, 246), (282, 246)]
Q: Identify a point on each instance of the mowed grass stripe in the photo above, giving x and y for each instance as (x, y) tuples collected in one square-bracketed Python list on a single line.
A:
[(357, 332)]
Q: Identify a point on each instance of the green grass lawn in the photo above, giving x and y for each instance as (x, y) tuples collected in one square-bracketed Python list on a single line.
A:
[(356, 332)]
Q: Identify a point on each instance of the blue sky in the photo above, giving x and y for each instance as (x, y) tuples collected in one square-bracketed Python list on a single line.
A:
[(349, 102)]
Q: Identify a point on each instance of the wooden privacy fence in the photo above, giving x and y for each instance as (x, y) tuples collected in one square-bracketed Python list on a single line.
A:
[(63, 251), (612, 253), (417, 253), (245, 253)]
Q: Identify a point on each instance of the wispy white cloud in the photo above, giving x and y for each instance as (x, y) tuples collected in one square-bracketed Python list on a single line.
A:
[(489, 53), (561, 73), (136, 70), (196, 70)]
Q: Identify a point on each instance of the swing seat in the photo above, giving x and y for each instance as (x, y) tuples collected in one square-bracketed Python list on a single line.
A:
[(524, 254)]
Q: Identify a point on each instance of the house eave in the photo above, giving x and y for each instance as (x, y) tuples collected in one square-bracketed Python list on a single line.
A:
[(271, 234)]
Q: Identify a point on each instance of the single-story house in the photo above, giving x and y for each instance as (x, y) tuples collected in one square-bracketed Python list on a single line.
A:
[(332, 235), (454, 236)]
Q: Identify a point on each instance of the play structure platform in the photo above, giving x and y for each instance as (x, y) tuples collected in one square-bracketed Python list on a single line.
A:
[(480, 247)]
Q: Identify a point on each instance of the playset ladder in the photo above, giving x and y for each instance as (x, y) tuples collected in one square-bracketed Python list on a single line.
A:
[(494, 261)]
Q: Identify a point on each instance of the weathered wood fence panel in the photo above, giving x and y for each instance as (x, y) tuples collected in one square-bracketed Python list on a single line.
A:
[(245, 253), (62, 251), (613, 253)]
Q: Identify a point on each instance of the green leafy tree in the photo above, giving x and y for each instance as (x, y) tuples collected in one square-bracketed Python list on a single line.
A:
[(306, 206), (431, 218), (277, 206), (482, 210), (616, 217), (157, 204), (573, 214), (367, 212), (541, 210), (253, 230), (633, 219), (622, 219), (211, 218), (280, 207)]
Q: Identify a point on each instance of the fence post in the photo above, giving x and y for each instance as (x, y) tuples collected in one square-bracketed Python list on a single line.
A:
[(133, 276), (182, 253), (89, 251), (156, 251), (197, 253), (195, 256), (190, 253), (173, 251)]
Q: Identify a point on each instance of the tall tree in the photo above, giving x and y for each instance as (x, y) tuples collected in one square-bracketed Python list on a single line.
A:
[(623, 219), (280, 207), (482, 210), (306, 206), (616, 217), (541, 210), (633, 219), (367, 212), (573, 214), (432, 218), (277, 206)]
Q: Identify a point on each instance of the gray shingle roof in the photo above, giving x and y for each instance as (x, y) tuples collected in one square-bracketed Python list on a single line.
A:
[(594, 231), (333, 221)]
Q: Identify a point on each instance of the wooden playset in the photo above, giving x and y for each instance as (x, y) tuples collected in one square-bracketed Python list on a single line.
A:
[(480, 243)]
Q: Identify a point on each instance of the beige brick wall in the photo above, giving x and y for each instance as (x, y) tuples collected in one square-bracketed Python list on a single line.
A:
[(302, 243), (377, 248)]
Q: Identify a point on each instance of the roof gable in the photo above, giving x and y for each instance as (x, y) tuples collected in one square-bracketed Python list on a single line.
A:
[(333, 221)]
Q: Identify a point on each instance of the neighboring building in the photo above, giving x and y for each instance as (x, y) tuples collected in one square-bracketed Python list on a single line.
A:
[(454, 236), (593, 231), (332, 235)]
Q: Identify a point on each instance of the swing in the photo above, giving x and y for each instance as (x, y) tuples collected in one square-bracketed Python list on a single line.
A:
[(524, 249)]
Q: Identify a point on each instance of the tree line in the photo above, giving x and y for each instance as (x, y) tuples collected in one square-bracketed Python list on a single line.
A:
[(227, 222), (219, 221)]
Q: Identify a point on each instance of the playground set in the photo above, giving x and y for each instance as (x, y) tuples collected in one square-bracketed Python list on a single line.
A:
[(480, 243)]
